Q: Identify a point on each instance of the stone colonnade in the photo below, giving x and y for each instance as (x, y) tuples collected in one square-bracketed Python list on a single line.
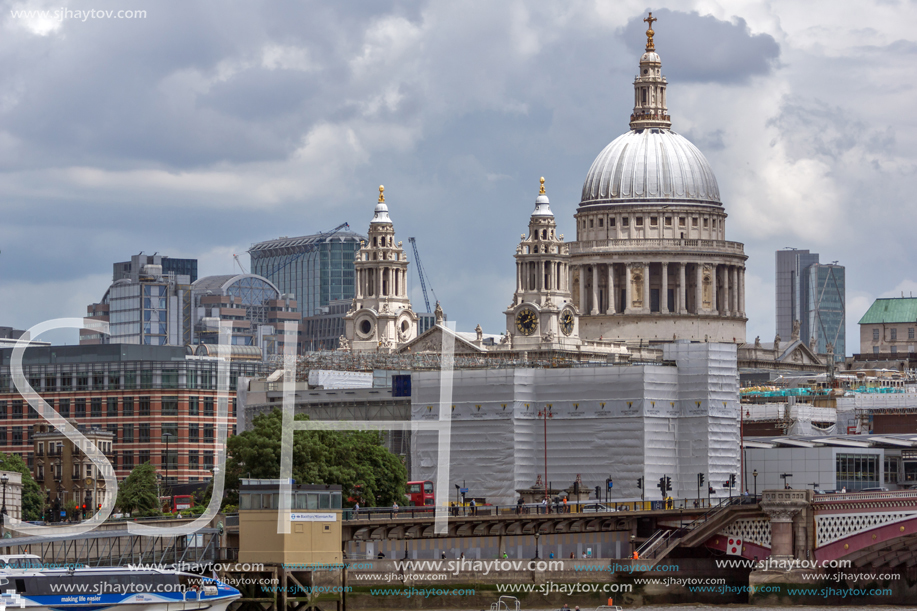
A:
[(542, 276), (679, 287), (381, 282)]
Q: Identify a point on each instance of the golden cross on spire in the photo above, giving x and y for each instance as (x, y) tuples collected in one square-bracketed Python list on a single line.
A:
[(649, 32), (542, 186), (381, 194)]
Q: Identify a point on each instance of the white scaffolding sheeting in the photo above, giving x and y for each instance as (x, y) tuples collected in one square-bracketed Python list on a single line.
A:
[(327, 378), (623, 422)]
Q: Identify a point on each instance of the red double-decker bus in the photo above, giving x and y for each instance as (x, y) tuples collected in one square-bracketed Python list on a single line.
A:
[(421, 494)]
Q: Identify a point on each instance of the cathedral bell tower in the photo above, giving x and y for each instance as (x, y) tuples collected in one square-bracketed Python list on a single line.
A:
[(649, 88), (380, 317), (542, 315)]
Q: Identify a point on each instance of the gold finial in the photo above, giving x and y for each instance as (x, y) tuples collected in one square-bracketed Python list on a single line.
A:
[(649, 33), (381, 194), (542, 186)]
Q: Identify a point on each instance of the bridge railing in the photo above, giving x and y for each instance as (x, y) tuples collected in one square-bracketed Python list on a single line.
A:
[(866, 496), (586, 508)]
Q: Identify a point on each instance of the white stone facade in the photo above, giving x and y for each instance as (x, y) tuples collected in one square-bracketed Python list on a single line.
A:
[(381, 318)]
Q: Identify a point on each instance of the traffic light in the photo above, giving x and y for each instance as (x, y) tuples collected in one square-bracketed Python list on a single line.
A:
[(661, 484), (640, 483), (700, 480), (732, 480), (598, 493), (710, 490), (668, 483)]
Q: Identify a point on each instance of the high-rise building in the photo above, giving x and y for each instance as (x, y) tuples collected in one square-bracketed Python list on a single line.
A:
[(825, 308), (814, 295), (131, 269), (144, 305), (315, 269)]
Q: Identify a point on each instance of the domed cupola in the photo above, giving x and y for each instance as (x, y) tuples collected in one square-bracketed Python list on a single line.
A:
[(651, 261)]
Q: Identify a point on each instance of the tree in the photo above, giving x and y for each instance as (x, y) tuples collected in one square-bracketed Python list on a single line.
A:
[(137, 493), (32, 498), (347, 458)]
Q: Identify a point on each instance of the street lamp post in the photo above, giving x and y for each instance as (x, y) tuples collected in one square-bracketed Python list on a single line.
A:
[(784, 477), (755, 475), (5, 479), (537, 534)]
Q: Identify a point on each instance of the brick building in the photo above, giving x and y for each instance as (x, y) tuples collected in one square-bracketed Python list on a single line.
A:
[(143, 395)]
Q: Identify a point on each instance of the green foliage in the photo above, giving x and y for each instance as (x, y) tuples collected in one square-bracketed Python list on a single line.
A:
[(71, 508), (32, 496), (137, 493), (347, 458)]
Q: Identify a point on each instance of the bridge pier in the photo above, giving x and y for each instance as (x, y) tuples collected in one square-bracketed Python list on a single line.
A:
[(789, 533)]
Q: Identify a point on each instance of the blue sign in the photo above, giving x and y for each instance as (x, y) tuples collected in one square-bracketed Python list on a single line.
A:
[(611, 484), (63, 514), (463, 490)]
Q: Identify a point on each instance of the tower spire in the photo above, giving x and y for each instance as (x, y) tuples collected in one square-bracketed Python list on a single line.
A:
[(649, 88), (649, 32)]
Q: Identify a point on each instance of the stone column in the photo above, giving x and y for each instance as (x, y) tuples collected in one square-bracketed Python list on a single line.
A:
[(628, 291), (611, 289), (582, 289), (664, 293), (714, 308), (781, 506), (595, 290), (734, 283), (359, 281), (726, 309), (741, 287), (682, 289), (699, 289), (646, 287)]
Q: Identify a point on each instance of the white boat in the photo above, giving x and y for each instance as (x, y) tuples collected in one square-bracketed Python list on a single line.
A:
[(26, 583)]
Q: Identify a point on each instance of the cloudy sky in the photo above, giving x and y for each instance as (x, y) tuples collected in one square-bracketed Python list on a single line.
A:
[(210, 125)]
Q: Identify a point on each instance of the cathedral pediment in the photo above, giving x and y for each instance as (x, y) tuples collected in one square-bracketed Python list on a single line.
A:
[(432, 341)]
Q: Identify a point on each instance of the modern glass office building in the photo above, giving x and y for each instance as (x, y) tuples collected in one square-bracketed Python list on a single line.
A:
[(815, 295), (315, 269), (170, 265), (825, 308)]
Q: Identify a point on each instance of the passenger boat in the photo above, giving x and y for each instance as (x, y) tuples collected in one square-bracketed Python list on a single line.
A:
[(26, 583)]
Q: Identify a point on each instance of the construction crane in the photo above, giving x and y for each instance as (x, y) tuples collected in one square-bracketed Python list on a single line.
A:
[(420, 272), (306, 250), (239, 263)]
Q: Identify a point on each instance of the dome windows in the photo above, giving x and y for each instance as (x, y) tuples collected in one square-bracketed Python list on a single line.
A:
[(638, 222)]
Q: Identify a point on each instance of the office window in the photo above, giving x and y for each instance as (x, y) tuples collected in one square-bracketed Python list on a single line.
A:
[(144, 406), (193, 459), (95, 405), (894, 334), (127, 406), (170, 406), (208, 433), (143, 456), (169, 378), (98, 380), (113, 458), (146, 379), (3, 409), (2, 435), (82, 381), (875, 335), (127, 433), (234, 408), (113, 429), (144, 434), (910, 332), (80, 408), (169, 460), (17, 435), (35, 382), (171, 429), (127, 459), (193, 403), (208, 406), (112, 407), (66, 383), (875, 350), (208, 460), (193, 432), (64, 408), (130, 380), (32, 413), (17, 409)]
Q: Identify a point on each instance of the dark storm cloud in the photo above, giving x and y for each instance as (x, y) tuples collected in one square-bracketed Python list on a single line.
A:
[(704, 49)]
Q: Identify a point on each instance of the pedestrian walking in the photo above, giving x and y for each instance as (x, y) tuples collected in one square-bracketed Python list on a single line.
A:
[(395, 509), (566, 508), (474, 508), (356, 509), (544, 505)]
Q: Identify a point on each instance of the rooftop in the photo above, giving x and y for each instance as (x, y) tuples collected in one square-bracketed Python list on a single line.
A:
[(891, 310)]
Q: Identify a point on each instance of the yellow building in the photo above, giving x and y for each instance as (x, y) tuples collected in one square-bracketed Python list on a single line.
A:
[(313, 523)]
